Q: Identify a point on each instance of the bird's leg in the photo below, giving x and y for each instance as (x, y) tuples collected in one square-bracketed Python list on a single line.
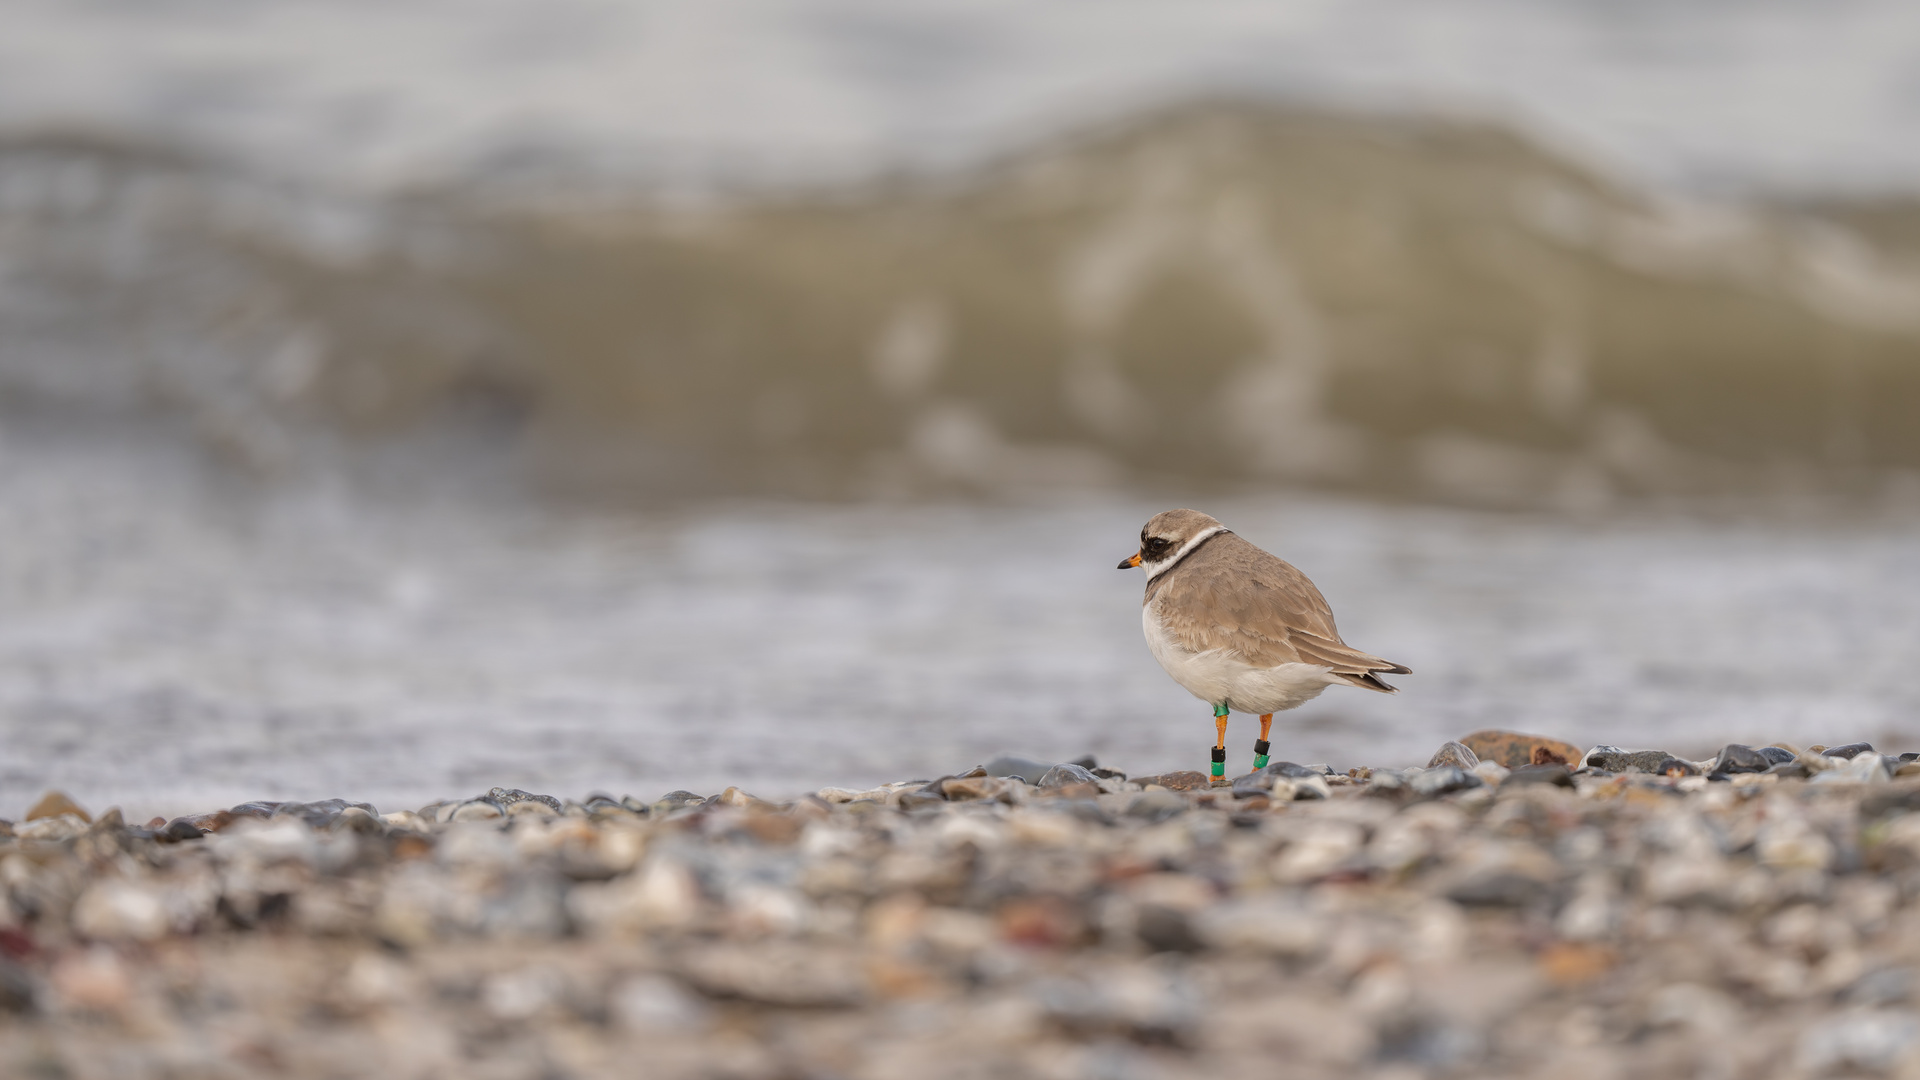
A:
[(1220, 742), (1260, 746)]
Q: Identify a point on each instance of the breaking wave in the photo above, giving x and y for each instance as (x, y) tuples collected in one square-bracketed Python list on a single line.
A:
[(1215, 294)]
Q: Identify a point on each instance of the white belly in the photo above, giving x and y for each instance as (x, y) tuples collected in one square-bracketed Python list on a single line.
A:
[(1217, 676)]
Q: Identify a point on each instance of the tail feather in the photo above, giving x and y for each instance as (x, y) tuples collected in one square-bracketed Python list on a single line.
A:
[(1367, 680)]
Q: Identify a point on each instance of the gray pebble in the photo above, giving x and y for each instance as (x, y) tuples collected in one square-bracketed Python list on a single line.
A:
[(1455, 754), (1735, 758), (1555, 775), (1614, 759), (1064, 774), (1156, 805), (507, 797), (1444, 780)]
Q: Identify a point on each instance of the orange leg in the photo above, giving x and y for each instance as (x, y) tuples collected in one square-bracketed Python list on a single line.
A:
[(1261, 748)]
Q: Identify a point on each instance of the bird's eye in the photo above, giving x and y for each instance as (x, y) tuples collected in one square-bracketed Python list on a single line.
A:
[(1156, 544)]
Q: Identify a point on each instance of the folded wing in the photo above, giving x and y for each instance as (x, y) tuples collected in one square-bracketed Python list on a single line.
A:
[(1261, 607)]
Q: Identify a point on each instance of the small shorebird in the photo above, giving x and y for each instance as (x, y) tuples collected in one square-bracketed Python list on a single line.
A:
[(1239, 628)]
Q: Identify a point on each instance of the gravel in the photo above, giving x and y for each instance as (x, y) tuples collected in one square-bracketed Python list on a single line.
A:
[(1541, 921)]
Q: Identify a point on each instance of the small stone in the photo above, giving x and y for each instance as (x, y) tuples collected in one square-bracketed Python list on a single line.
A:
[(320, 814), (1108, 774), (1547, 755), (405, 819), (54, 804), (115, 909), (1673, 766), (1775, 755), (1304, 787), (19, 991), (93, 979), (63, 827), (1866, 1041), (1156, 805), (1388, 783), (1735, 758), (261, 810), (1065, 774), (919, 797), (1865, 767), (1455, 754), (507, 797), (1886, 986), (1497, 888), (1433, 783), (1555, 775), (529, 808), (733, 797), (655, 1003), (1514, 749), (674, 800), (1178, 781), (1252, 784), (969, 788), (1849, 750), (790, 975), (1614, 759), (1086, 761), (476, 810), (179, 829), (1264, 924), (1166, 929)]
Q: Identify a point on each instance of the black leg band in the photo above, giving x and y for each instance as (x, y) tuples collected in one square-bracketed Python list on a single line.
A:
[(1261, 746)]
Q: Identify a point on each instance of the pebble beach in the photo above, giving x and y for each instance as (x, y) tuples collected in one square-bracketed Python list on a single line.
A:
[(1516, 906)]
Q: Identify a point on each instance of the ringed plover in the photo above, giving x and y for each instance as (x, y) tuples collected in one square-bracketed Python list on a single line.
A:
[(1239, 628)]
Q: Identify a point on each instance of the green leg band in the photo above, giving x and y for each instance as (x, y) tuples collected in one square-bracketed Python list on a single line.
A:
[(1259, 761), (1220, 709), (1260, 748)]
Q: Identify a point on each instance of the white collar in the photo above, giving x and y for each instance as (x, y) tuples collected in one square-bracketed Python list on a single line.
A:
[(1154, 570)]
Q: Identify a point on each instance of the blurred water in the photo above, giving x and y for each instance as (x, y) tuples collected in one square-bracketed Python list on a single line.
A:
[(171, 644), (1704, 92), (169, 648)]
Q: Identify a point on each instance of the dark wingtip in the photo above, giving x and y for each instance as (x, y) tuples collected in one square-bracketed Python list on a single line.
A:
[(1372, 681)]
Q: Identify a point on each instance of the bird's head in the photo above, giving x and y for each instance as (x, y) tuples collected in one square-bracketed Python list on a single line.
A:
[(1168, 537)]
